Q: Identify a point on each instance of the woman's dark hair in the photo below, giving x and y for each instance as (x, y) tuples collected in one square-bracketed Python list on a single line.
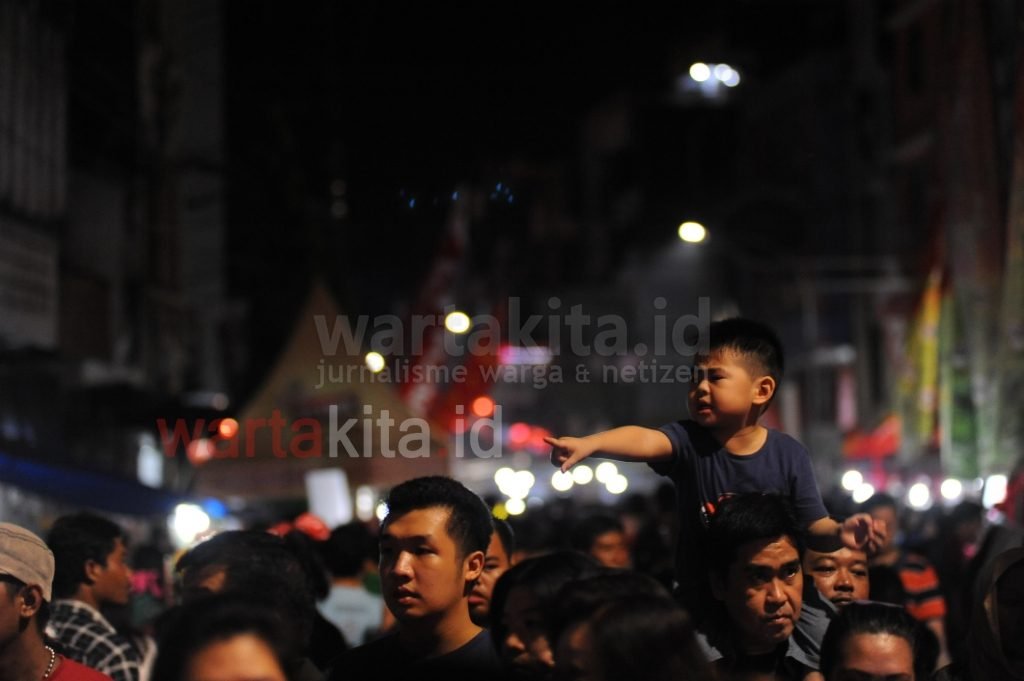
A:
[(865, 617), (646, 637), (191, 628), (544, 576)]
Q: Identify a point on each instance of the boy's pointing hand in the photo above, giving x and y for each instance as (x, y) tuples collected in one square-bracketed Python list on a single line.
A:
[(566, 452)]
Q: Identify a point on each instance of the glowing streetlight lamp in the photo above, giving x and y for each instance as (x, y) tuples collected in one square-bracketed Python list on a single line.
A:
[(375, 362), (457, 322), (692, 232)]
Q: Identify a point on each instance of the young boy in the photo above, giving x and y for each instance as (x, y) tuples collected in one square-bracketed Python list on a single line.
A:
[(723, 450)]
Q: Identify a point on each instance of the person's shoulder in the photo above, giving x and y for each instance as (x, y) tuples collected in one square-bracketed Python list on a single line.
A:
[(69, 670), (476, 657), (913, 561), (386, 646), (379, 655), (785, 443)]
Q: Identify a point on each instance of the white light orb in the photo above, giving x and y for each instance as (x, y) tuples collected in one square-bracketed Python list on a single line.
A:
[(561, 482), (457, 322), (700, 72), (618, 484), (692, 232), (606, 470), (863, 492), (852, 480), (582, 474), (375, 362), (951, 489), (919, 496)]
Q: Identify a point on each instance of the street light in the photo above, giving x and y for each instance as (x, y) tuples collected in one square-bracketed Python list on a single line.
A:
[(692, 232), (457, 322)]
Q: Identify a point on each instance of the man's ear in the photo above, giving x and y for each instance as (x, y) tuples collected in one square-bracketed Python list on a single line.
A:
[(31, 600), (474, 565), (92, 571), (764, 389)]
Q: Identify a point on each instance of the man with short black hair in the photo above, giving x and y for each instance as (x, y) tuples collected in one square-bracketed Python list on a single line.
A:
[(349, 605), (497, 560), (755, 546), (91, 573), (603, 538), (432, 550), (26, 572)]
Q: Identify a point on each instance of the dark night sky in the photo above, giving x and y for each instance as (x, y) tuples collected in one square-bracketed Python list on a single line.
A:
[(420, 96)]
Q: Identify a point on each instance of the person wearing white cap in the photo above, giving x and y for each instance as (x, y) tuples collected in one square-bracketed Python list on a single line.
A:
[(26, 572)]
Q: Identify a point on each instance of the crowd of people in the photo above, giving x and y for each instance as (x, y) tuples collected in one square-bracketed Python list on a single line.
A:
[(737, 571)]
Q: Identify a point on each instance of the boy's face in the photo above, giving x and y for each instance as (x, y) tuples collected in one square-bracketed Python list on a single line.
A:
[(724, 391), (421, 571)]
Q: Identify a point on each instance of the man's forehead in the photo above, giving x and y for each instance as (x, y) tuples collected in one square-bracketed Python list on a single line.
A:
[(427, 522), (496, 547), (769, 552), (843, 555)]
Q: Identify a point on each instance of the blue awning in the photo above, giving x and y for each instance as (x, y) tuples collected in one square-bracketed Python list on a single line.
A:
[(87, 489)]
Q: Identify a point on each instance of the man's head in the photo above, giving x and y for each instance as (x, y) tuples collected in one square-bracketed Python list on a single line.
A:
[(347, 549), (89, 552), (755, 547), (884, 507), (603, 538), (256, 566), (432, 548), (841, 576), (26, 572), (739, 374), (874, 640), (497, 559), (523, 604)]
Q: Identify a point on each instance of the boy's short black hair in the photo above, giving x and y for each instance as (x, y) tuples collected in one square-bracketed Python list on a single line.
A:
[(74, 540), (746, 518), (469, 520), (753, 340)]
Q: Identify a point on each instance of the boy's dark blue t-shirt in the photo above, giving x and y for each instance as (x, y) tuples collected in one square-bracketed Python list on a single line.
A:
[(704, 473)]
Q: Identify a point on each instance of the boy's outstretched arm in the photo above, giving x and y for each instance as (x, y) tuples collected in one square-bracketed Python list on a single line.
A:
[(628, 443), (859, 531)]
